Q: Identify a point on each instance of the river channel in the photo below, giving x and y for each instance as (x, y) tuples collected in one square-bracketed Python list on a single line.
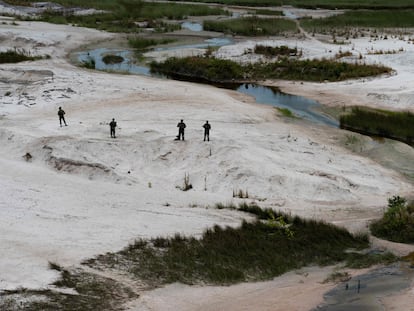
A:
[(300, 106)]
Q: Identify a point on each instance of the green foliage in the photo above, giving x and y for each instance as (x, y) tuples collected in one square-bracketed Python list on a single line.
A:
[(286, 112), (142, 43), (360, 261), (263, 249), (93, 292), (282, 50), (314, 4), (216, 70), (395, 125), (397, 224), (123, 15), (362, 19), (316, 70), (89, 63), (16, 56), (199, 69), (112, 59), (251, 26)]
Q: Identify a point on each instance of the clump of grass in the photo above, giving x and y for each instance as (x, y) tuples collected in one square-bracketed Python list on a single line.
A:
[(362, 19), (241, 194), (186, 183), (397, 224), (395, 125), (359, 261), (276, 51), (199, 69), (256, 250), (17, 55), (89, 63), (286, 112), (252, 26), (142, 43), (338, 277), (93, 292), (112, 59), (341, 54)]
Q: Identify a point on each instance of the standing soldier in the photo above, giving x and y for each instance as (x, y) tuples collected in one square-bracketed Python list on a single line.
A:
[(207, 128), (112, 125), (61, 115), (181, 126)]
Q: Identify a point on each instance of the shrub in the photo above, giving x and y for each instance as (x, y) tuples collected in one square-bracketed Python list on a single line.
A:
[(397, 224)]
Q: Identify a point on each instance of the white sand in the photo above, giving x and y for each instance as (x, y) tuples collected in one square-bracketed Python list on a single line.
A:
[(75, 198)]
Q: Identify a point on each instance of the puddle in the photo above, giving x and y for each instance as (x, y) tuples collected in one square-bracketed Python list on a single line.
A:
[(363, 293)]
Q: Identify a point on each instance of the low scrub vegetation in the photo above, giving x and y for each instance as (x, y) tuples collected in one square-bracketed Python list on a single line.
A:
[(93, 292), (282, 50), (258, 250), (252, 26), (216, 70), (112, 59), (127, 15), (18, 55), (395, 125), (142, 43), (361, 19), (397, 224), (199, 69), (315, 4)]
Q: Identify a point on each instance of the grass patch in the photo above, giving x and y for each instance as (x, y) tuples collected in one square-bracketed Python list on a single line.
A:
[(200, 69), (389, 124), (286, 112), (252, 26), (259, 250), (397, 224), (360, 261), (142, 43), (94, 293), (18, 55), (314, 4), (361, 19), (112, 59), (125, 15), (282, 50), (206, 69)]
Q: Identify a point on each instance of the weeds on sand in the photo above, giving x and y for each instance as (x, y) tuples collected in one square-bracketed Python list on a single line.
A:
[(256, 250)]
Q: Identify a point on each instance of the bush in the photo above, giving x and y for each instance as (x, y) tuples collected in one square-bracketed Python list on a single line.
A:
[(397, 224)]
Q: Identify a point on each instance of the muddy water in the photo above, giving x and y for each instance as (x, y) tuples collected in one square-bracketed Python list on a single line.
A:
[(364, 292)]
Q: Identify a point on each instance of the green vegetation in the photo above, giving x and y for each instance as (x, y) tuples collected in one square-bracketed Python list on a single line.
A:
[(282, 50), (142, 43), (252, 26), (258, 250), (18, 55), (125, 15), (316, 70), (93, 293), (89, 63), (361, 19), (199, 69), (286, 112), (397, 224), (395, 125), (268, 12), (215, 70), (326, 4), (112, 59)]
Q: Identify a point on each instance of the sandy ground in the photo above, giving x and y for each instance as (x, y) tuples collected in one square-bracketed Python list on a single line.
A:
[(83, 193)]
